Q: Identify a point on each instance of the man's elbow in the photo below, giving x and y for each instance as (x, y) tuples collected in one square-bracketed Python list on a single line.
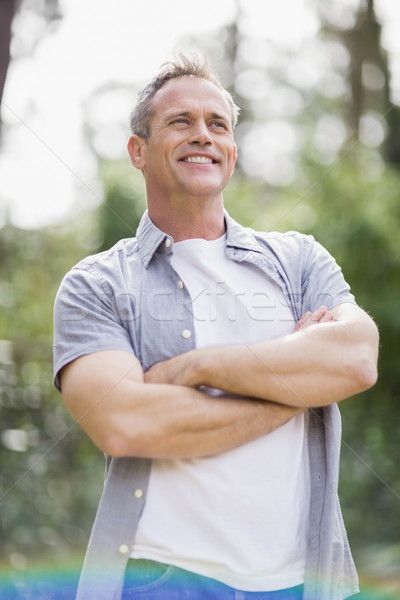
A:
[(109, 442), (365, 366), (368, 369), (365, 374), (114, 446), (119, 445), (132, 438)]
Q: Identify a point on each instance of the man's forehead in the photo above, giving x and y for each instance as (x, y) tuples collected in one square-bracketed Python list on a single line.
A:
[(183, 94)]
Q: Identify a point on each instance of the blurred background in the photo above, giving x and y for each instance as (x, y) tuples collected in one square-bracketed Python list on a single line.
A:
[(318, 82)]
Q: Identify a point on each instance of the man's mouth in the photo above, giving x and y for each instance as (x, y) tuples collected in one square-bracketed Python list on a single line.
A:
[(199, 160)]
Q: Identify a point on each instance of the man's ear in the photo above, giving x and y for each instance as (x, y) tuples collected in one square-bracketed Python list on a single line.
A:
[(235, 159), (136, 150)]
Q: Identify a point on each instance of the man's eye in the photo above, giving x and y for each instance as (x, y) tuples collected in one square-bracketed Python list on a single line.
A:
[(180, 120), (219, 124)]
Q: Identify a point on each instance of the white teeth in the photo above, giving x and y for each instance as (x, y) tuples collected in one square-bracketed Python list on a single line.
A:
[(198, 159)]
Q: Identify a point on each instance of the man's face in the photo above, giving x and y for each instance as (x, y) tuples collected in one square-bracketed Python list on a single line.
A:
[(191, 150)]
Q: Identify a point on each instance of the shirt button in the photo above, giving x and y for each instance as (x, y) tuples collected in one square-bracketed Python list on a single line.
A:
[(138, 493), (168, 243), (186, 333), (180, 284), (123, 549)]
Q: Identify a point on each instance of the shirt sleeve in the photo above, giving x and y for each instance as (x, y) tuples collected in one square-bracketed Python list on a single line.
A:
[(85, 320), (322, 279)]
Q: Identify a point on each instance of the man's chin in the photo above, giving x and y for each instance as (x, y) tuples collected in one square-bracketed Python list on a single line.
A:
[(203, 194), (203, 189)]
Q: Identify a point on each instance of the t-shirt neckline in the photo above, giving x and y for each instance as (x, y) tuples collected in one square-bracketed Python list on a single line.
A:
[(199, 243)]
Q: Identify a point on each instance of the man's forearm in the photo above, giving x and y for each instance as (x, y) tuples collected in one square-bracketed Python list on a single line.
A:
[(313, 367), (317, 365), (167, 421), (124, 416)]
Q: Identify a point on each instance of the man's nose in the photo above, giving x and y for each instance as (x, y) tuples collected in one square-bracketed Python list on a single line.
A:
[(200, 135)]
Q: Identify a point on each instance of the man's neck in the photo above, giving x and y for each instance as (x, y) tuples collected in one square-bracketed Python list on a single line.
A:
[(206, 222)]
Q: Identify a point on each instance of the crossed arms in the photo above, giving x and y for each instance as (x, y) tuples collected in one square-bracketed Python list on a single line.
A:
[(331, 355)]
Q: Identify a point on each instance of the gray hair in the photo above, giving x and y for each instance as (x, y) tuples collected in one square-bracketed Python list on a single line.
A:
[(190, 65)]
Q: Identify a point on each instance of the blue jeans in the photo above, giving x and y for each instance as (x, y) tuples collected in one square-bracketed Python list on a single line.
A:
[(149, 580)]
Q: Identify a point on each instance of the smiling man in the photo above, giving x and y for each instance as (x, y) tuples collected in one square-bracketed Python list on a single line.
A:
[(206, 361)]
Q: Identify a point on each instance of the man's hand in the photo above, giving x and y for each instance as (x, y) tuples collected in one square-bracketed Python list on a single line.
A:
[(321, 315), (183, 369)]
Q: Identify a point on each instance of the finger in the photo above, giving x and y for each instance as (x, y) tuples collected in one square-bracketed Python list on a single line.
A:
[(317, 314), (305, 316), (326, 318), (306, 321), (312, 318)]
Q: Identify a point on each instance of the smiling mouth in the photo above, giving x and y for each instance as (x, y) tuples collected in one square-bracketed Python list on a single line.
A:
[(199, 160)]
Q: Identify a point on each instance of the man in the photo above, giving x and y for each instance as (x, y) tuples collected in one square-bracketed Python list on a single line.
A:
[(206, 360)]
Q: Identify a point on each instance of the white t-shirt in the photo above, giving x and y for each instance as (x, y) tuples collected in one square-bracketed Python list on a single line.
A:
[(240, 517)]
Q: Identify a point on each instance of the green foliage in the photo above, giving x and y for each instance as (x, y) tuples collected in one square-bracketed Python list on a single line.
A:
[(49, 472), (123, 204)]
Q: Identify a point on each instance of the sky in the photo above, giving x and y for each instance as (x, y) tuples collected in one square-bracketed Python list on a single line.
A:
[(47, 172)]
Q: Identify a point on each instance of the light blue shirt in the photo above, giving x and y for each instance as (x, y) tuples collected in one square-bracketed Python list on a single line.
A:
[(128, 298)]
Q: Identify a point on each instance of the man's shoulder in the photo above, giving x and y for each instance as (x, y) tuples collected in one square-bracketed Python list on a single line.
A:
[(289, 249), (288, 244), (280, 236), (104, 271), (101, 262)]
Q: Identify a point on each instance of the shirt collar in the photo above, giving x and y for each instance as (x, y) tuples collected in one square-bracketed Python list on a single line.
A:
[(151, 239)]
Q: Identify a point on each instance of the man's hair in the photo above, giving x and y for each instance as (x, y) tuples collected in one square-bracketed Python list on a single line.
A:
[(184, 65)]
